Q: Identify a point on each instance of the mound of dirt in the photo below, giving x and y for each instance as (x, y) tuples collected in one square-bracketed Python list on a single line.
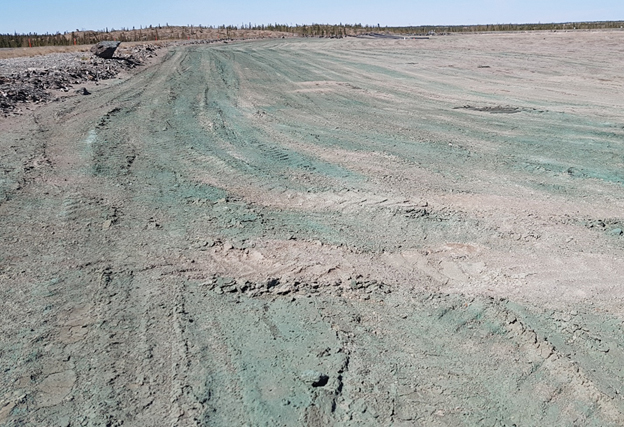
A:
[(499, 109)]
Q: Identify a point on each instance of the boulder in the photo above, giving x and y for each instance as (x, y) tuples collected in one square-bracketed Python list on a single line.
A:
[(105, 50)]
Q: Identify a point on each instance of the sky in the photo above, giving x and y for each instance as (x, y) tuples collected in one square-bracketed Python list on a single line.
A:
[(66, 15)]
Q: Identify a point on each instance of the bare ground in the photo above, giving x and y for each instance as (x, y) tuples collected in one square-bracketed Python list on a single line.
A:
[(322, 232)]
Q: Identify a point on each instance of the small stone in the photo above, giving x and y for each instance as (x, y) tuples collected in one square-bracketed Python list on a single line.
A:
[(85, 91), (616, 232)]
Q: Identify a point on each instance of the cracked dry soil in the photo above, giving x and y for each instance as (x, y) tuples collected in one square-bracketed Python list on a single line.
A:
[(320, 232)]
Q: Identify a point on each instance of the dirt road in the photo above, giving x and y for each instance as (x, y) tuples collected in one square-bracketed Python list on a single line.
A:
[(322, 232)]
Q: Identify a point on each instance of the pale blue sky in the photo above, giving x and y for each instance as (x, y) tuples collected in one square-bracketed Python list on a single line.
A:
[(66, 15)]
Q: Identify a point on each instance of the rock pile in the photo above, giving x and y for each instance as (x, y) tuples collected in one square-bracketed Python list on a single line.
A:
[(13, 92), (21, 84)]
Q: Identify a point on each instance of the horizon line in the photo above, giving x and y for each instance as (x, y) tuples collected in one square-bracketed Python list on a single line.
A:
[(291, 25)]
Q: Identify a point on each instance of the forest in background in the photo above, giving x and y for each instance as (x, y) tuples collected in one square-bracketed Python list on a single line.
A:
[(191, 32)]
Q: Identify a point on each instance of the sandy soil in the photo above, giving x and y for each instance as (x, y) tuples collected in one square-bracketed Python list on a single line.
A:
[(322, 232)]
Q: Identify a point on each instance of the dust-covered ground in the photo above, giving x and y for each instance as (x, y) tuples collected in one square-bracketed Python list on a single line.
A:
[(322, 232)]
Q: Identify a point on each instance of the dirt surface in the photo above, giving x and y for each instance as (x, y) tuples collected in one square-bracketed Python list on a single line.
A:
[(322, 232), (29, 52)]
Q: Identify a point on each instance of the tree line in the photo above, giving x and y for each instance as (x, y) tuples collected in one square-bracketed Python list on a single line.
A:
[(166, 32)]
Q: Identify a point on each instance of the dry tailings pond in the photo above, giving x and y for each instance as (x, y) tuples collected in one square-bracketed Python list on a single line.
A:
[(322, 232)]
